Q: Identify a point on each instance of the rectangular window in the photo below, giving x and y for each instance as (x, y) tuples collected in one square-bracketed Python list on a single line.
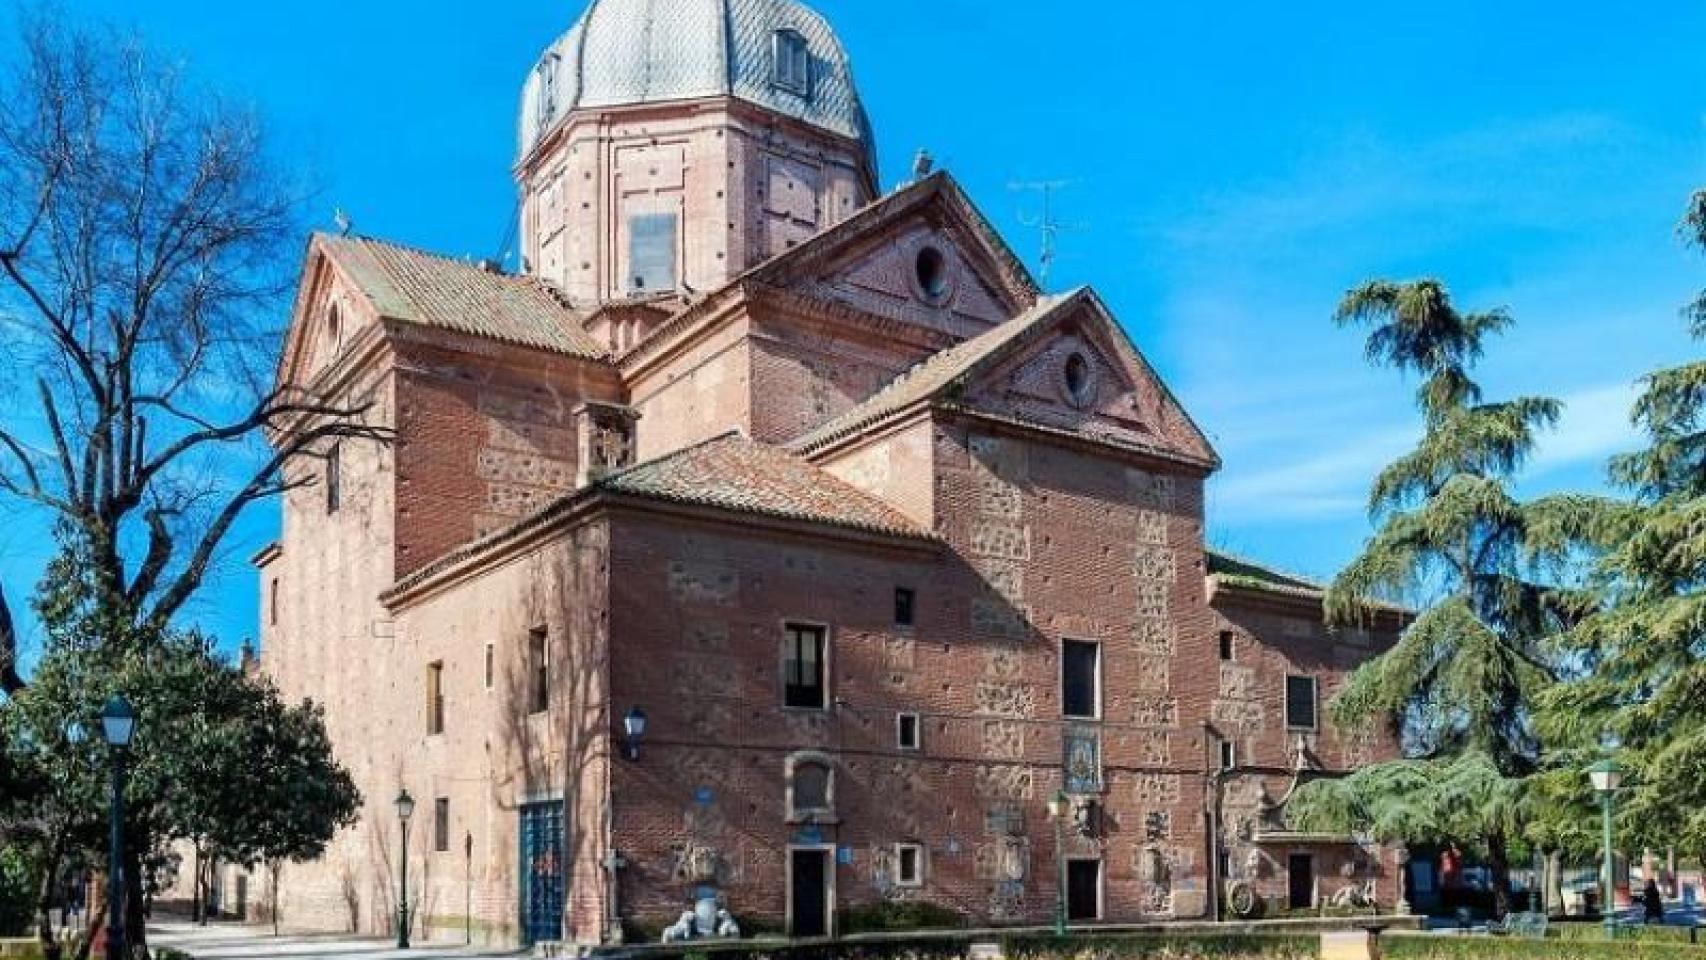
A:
[(441, 824), (490, 665), (802, 668), (908, 865), (1226, 644), (903, 606), (538, 671), (907, 733), (1080, 679), (1228, 754), (1300, 703), (272, 602), (651, 252), (793, 62), (435, 698), (334, 479)]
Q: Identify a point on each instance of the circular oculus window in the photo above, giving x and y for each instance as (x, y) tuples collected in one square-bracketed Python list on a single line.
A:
[(1079, 380), (930, 274)]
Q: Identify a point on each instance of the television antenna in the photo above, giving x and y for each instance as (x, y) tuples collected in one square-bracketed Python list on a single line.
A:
[(1046, 223)]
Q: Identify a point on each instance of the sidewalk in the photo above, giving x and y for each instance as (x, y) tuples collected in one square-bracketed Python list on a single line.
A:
[(231, 941)]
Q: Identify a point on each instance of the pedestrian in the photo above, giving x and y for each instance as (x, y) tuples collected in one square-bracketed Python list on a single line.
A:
[(1654, 902)]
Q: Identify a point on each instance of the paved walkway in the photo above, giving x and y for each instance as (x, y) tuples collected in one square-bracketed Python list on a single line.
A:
[(230, 941)]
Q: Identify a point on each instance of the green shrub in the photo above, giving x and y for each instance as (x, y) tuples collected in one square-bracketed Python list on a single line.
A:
[(1162, 947), (17, 896), (1506, 948), (904, 915)]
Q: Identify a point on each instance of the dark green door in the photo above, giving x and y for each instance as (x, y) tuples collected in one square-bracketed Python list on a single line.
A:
[(541, 872)]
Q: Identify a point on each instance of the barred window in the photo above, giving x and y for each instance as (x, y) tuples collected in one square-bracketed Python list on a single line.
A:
[(1300, 703)]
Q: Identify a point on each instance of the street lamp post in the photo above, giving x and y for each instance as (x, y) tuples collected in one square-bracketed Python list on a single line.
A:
[(118, 724), (1057, 810), (1607, 778), (405, 810)]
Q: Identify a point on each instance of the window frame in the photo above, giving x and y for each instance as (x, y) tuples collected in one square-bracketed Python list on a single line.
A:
[(900, 719), (789, 630), (1228, 646), (791, 767), (441, 824), (435, 698), (538, 670), (1314, 703), (791, 66), (1095, 679), (905, 600), (334, 479), (674, 247), (1228, 754), (918, 862)]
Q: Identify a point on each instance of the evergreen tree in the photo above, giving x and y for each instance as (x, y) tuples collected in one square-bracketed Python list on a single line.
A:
[(1640, 678), (1461, 681)]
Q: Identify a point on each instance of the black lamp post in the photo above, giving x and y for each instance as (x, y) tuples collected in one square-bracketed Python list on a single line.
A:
[(118, 724), (405, 810), (633, 729), (1607, 778)]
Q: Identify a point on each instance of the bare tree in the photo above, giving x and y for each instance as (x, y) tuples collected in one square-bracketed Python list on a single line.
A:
[(146, 247)]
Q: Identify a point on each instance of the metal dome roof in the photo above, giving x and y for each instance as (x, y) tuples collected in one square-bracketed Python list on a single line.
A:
[(651, 51)]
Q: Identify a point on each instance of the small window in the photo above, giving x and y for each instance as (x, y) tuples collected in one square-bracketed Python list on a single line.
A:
[(1228, 754), (811, 787), (908, 865), (1300, 703), (272, 602), (651, 252), (1077, 374), (1226, 644), (907, 733), (491, 664), (441, 824), (1080, 679), (334, 479), (538, 671), (931, 271), (435, 698), (793, 62), (803, 668), (904, 599)]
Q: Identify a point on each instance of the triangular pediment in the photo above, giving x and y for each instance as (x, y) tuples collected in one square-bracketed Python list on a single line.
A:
[(923, 255), (1079, 372), (1064, 365), (328, 312)]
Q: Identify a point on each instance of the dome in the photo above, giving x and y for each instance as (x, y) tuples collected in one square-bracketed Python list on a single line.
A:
[(777, 54)]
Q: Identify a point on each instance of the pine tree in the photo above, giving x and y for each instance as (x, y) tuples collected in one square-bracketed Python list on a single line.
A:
[(1461, 681), (1640, 680)]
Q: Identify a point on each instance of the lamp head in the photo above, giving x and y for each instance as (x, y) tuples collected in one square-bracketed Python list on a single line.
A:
[(1057, 805), (1606, 776), (634, 724), (405, 806), (118, 722)]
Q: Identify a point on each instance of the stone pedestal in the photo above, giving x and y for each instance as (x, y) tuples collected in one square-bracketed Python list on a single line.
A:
[(1350, 945)]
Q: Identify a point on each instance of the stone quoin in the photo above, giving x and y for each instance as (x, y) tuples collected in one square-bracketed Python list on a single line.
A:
[(887, 546)]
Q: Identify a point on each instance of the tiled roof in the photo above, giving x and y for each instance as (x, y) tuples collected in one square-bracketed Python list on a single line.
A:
[(731, 472), (937, 373), (418, 287), (1231, 571)]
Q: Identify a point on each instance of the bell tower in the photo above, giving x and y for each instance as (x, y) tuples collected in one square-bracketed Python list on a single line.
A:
[(666, 146)]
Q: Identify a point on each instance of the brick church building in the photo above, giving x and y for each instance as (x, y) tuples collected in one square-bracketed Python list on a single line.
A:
[(887, 546)]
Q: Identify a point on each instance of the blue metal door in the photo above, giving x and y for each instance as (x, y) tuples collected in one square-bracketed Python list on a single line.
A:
[(541, 872)]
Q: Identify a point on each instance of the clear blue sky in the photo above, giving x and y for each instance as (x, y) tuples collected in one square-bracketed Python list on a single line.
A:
[(1233, 167)]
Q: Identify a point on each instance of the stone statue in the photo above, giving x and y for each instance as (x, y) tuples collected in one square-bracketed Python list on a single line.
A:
[(727, 928), (682, 929)]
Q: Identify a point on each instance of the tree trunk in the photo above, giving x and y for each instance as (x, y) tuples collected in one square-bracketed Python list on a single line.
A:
[(44, 903), (1498, 860), (1555, 884), (195, 888)]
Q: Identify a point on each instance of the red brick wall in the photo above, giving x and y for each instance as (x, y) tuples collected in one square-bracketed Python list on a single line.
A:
[(485, 437)]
